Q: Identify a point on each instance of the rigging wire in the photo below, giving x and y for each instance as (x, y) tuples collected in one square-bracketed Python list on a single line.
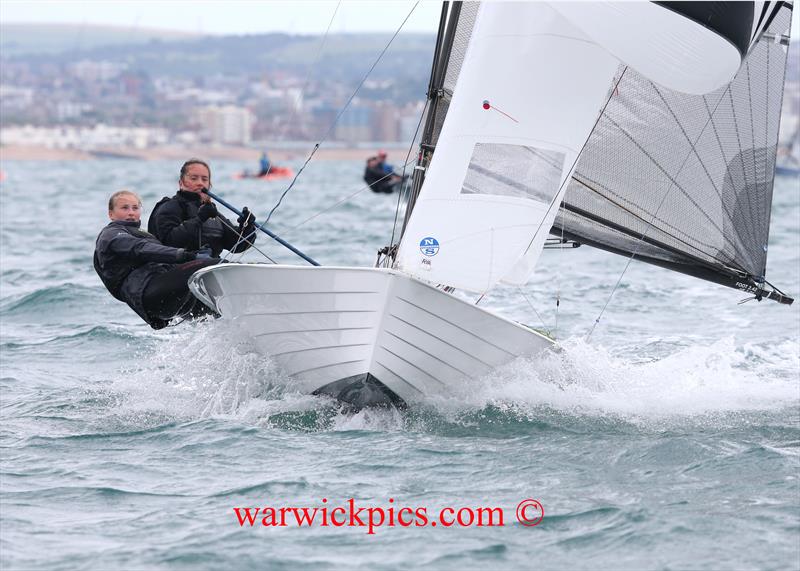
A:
[(658, 208), (525, 297), (341, 112), (410, 148), (241, 239), (558, 275), (343, 200), (311, 68), (291, 184)]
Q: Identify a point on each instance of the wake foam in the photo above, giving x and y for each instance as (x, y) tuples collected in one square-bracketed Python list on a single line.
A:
[(590, 380), (209, 369)]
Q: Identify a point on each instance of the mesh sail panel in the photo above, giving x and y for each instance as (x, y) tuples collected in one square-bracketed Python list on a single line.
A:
[(463, 32), (513, 170), (466, 21), (693, 173)]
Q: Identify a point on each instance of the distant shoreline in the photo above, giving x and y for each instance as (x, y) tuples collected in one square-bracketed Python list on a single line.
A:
[(245, 154)]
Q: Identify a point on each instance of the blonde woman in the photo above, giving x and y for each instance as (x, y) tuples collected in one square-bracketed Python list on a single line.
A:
[(137, 269)]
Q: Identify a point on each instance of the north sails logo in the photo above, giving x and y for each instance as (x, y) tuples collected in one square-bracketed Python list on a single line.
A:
[(429, 246)]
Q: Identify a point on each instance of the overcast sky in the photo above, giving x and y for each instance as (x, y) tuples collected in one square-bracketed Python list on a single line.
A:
[(232, 16), (240, 16)]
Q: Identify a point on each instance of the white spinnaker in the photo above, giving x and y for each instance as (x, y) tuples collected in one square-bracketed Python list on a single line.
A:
[(664, 46), (545, 84)]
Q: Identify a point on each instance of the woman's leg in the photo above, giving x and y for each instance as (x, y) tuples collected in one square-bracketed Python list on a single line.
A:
[(168, 294)]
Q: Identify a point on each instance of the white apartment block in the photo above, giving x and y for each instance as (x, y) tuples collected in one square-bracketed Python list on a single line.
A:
[(229, 124)]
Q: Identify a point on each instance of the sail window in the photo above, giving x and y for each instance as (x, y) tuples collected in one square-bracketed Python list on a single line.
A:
[(514, 170)]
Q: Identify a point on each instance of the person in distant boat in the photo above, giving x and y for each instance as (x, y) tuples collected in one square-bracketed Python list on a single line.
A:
[(380, 176), (190, 220), (264, 165), (387, 168), (137, 269)]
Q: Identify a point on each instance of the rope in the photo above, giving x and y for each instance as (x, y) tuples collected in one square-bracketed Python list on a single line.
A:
[(341, 112)]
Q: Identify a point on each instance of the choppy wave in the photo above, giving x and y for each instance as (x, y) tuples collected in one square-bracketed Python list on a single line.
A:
[(88, 334), (49, 301), (126, 448)]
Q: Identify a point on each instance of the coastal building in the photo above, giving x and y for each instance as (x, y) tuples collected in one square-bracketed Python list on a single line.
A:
[(384, 122), (227, 125), (354, 125), (84, 138)]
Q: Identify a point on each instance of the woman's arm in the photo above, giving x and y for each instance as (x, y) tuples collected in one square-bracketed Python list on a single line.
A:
[(173, 230), (143, 250)]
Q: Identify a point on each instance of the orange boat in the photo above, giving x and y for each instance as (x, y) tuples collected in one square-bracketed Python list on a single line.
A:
[(275, 173)]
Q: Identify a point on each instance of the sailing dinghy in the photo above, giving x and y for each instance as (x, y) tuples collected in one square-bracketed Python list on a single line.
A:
[(644, 129)]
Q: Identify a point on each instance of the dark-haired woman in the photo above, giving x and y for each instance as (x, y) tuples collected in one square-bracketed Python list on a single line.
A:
[(190, 220)]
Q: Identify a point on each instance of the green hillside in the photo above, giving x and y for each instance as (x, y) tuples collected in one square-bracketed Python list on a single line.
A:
[(27, 39), (345, 57)]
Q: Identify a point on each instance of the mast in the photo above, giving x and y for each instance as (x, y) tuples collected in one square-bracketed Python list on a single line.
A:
[(448, 24)]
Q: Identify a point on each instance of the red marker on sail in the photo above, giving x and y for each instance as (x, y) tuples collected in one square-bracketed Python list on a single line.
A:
[(487, 106)]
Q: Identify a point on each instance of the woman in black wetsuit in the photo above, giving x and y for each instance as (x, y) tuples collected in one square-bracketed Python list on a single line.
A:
[(137, 269), (190, 220)]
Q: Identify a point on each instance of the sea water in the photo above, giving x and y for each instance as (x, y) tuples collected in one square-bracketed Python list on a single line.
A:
[(668, 439)]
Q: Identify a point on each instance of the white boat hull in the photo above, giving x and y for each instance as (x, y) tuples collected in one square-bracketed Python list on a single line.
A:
[(364, 335)]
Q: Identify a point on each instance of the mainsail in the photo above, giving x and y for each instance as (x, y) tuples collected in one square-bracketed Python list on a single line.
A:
[(682, 181), (513, 130)]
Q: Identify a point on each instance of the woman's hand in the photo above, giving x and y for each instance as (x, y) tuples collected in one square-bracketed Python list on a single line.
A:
[(206, 211)]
